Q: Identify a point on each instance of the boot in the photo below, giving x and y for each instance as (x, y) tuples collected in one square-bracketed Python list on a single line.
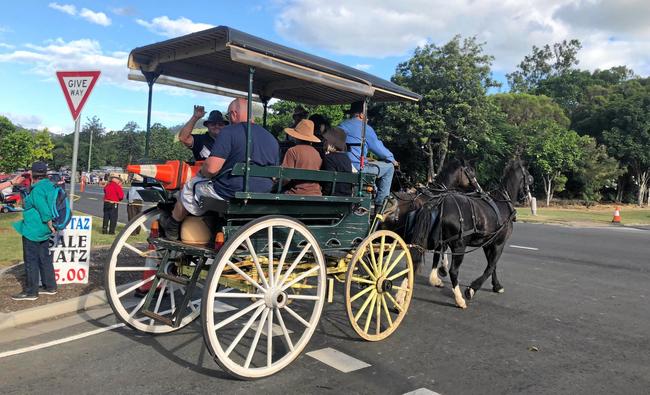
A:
[(169, 226)]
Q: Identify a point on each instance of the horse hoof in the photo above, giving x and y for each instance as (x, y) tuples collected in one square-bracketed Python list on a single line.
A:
[(469, 293), (442, 272), (498, 290), (462, 305)]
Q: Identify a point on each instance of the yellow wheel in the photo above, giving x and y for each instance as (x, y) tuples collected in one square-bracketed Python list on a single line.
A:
[(379, 285)]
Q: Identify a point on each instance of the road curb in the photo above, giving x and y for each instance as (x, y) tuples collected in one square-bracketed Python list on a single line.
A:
[(45, 312)]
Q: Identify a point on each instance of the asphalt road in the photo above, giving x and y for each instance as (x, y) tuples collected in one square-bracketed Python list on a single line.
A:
[(574, 319), (91, 201)]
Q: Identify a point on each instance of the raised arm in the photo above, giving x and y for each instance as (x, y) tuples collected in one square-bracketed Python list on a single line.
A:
[(185, 135)]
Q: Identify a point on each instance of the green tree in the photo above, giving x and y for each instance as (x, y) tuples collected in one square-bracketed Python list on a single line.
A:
[(453, 114), (522, 108), (166, 146), (280, 115), (543, 63), (6, 126), (552, 150), (594, 170), (43, 145), (18, 150)]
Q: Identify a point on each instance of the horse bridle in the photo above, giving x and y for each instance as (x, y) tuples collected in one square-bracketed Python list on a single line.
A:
[(472, 179)]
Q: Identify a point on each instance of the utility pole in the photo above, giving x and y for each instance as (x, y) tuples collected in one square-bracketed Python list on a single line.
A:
[(90, 149)]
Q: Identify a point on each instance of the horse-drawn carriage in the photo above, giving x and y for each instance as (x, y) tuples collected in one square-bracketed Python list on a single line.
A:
[(260, 287)]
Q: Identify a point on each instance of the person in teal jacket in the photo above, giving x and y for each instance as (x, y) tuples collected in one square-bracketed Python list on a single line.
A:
[(36, 229)]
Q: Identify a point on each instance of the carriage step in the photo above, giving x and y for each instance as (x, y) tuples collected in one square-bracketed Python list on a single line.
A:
[(175, 279), (157, 317)]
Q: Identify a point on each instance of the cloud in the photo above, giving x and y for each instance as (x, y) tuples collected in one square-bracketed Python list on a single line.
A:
[(98, 18), (91, 16), (383, 28), (362, 66), (7, 46), (30, 121), (164, 26), (65, 8), (82, 54), (124, 11)]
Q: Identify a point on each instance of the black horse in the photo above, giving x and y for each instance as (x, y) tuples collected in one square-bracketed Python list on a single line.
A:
[(455, 175), (475, 221)]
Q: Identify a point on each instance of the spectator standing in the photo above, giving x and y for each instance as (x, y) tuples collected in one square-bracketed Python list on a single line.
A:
[(35, 229), (113, 195), (134, 206)]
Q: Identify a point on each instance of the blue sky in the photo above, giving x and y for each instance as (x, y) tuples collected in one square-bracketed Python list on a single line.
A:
[(39, 37)]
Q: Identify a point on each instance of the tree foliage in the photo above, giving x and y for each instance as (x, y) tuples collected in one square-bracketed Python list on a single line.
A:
[(542, 64), (452, 117)]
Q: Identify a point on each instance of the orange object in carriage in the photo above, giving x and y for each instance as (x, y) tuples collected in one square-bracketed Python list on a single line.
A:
[(172, 174)]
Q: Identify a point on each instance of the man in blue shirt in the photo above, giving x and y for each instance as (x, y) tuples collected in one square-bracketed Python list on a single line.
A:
[(228, 149), (384, 168)]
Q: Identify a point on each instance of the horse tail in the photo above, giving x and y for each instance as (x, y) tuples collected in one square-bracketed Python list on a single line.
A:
[(425, 219)]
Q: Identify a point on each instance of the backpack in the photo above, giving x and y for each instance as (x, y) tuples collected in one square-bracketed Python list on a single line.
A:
[(61, 214)]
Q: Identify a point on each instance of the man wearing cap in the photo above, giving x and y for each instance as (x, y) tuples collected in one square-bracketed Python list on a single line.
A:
[(36, 228), (113, 195), (201, 144), (384, 167), (303, 156), (229, 149)]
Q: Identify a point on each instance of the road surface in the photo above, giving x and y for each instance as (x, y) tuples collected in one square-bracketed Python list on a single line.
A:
[(574, 319)]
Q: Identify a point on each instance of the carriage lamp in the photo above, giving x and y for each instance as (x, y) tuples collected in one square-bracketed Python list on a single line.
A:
[(155, 229), (218, 241)]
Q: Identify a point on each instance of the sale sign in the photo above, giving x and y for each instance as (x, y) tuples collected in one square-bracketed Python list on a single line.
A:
[(71, 251)]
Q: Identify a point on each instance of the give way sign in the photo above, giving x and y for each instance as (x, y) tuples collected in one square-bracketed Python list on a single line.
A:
[(77, 86)]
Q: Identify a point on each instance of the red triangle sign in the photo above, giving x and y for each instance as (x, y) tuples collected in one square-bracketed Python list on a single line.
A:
[(77, 86)]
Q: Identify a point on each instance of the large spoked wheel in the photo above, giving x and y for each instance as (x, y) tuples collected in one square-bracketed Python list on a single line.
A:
[(130, 271), (272, 274), (379, 285)]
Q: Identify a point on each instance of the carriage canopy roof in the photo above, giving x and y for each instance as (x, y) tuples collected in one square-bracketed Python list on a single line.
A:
[(221, 57)]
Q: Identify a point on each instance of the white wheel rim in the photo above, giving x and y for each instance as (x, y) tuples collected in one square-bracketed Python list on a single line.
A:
[(124, 259), (239, 340)]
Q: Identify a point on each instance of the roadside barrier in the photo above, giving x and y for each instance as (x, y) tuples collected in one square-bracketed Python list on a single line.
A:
[(617, 215)]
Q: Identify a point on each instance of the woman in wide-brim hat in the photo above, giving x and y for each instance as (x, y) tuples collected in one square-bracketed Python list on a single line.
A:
[(303, 156)]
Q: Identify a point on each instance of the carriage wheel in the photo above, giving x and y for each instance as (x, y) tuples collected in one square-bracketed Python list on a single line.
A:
[(379, 285), (260, 300), (132, 266)]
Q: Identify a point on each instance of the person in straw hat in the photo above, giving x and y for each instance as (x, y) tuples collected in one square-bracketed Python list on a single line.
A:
[(303, 156)]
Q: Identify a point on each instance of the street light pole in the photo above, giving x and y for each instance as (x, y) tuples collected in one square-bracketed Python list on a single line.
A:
[(90, 149)]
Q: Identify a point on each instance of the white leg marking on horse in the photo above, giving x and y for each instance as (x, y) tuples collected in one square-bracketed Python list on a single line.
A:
[(434, 280), (458, 296), (445, 262), (470, 291), (401, 295)]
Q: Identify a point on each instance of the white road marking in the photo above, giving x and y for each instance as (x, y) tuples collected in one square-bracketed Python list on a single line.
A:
[(338, 360), (422, 391), (220, 307), (60, 341), (92, 198), (524, 247)]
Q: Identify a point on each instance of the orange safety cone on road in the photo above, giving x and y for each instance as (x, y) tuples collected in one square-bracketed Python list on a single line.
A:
[(82, 185), (617, 215)]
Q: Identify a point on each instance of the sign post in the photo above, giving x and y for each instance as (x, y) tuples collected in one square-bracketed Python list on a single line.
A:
[(76, 86)]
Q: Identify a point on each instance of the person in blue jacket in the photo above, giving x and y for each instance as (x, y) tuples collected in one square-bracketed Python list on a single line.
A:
[(384, 167), (36, 228)]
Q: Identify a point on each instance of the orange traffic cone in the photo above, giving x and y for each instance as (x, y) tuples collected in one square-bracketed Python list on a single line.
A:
[(82, 186), (617, 215), (172, 174)]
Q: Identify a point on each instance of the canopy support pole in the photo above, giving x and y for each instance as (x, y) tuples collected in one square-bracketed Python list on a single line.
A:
[(151, 79), (265, 102), (249, 137), (362, 158)]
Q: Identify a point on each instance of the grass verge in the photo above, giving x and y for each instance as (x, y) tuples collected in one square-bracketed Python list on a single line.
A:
[(596, 215)]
